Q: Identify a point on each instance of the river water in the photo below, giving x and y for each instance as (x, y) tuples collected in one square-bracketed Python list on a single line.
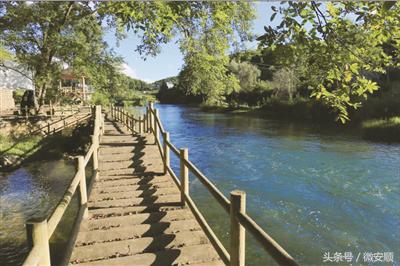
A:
[(313, 189)]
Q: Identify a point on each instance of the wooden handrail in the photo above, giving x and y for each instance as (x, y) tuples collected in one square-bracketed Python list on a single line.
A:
[(222, 200), (33, 256), (269, 244), (172, 147), (59, 211), (40, 251), (239, 219)]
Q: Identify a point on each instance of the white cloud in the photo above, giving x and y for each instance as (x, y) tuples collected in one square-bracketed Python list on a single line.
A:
[(148, 80), (129, 71)]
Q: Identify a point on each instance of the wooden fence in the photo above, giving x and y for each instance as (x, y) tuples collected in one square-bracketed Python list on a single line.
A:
[(40, 230), (235, 207)]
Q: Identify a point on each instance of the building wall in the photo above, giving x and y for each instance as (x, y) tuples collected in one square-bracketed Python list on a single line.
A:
[(6, 99)]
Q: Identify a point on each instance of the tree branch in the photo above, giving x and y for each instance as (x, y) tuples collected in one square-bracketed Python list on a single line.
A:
[(2, 65)]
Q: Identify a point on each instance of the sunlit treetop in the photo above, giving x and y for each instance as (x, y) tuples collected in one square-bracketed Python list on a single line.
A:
[(343, 43)]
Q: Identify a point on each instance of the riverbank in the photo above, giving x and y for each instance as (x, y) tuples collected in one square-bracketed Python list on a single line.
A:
[(312, 113), (387, 129), (14, 149), (18, 149)]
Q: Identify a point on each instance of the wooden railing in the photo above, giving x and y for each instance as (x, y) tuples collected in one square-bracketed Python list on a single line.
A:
[(40, 230), (240, 221)]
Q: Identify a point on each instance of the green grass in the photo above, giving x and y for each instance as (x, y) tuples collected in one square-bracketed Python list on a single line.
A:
[(382, 123), (23, 145), (382, 129)]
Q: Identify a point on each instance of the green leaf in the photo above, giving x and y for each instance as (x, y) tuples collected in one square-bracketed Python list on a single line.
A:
[(273, 16)]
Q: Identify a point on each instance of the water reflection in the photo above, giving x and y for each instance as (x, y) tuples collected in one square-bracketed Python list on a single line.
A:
[(28, 192)]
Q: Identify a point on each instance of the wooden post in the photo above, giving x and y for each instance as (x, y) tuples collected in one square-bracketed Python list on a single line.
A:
[(166, 152), (95, 142), (150, 120), (147, 119), (26, 112), (156, 129), (38, 236), (98, 115), (140, 124), (82, 185), (238, 241), (145, 128), (48, 128), (143, 117), (132, 124), (51, 109), (184, 155), (103, 128)]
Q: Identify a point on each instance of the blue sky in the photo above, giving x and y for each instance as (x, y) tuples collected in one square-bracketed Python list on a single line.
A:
[(169, 61)]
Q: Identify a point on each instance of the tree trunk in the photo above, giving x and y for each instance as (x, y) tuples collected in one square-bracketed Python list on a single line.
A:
[(41, 95)]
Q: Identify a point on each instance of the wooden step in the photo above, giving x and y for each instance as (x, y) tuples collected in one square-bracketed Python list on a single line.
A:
[(140, 218), (131, 180), (125, 211), (180, 256), (127, 188), (130, 247), (133, 201), (135, 194), (86, 237)]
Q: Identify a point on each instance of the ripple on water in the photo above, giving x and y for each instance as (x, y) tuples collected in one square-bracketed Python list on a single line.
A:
[(312, 191)]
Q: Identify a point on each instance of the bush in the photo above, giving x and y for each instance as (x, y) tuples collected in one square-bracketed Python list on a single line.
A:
[(99, 98), (301, 109)]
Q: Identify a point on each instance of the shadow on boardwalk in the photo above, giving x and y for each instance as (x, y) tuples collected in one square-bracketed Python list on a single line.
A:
[(136, 217)]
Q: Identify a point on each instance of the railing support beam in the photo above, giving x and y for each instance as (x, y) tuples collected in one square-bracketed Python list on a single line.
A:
[(82, 185), (166, 152), (184, 155), (155, 126), (37, 233), (238, 241)]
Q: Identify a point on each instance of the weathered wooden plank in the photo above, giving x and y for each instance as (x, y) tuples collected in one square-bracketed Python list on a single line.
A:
[(179, 256), (135, 246), (136, 215)]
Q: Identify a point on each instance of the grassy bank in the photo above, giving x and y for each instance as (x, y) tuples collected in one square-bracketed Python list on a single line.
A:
[(22, 145), (15, 150), (387, 130), (303, 111)]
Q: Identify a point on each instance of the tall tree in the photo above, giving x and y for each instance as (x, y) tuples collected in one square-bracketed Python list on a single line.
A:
[(46, 34), (205, 31), (70, 32), (344, 43)]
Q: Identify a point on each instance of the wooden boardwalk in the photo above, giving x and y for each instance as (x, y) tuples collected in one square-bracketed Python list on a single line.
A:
[(139, 212), (135, 213)]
